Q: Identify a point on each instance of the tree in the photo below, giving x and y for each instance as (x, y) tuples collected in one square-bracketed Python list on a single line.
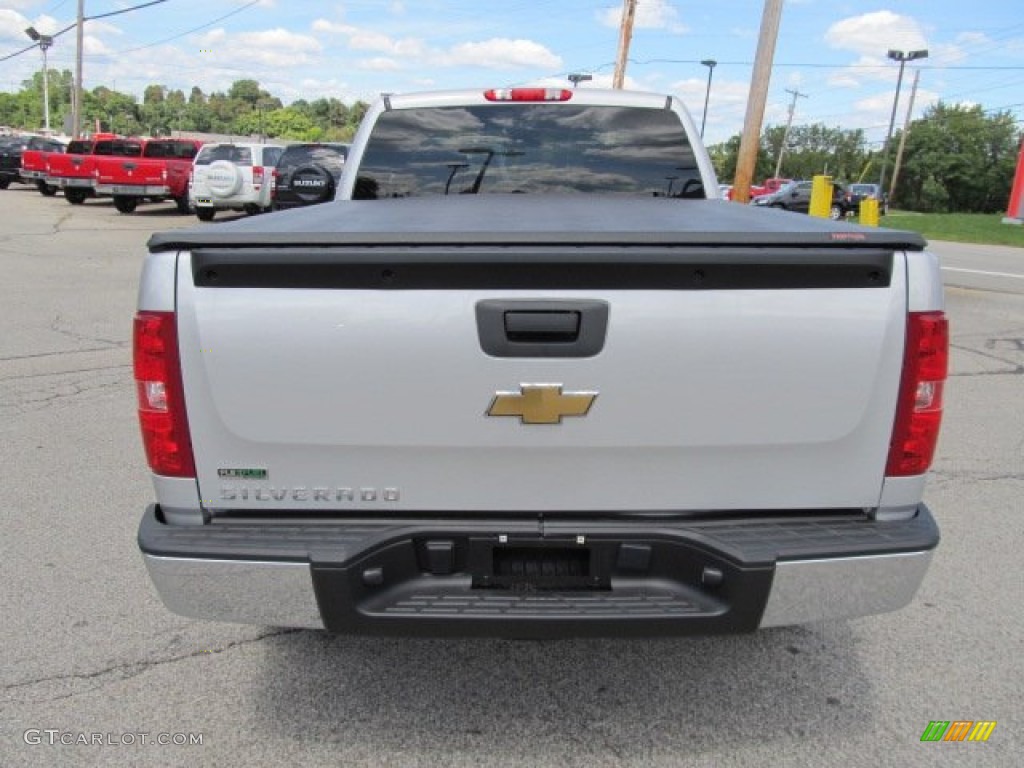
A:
[(154, 94), (957, 158)]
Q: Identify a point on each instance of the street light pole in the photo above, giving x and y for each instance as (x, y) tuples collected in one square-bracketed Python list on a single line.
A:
[(44, 42), (710, 64), (902, 57)]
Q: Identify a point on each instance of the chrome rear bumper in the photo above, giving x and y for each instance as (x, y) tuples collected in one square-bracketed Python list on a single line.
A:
[(676, 578)]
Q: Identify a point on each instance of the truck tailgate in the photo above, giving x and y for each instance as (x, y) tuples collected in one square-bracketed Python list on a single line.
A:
[(337, 375)]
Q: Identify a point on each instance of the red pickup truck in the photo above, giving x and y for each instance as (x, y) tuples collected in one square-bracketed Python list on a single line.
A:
[(34, 159), (161, 173), (74, 172)]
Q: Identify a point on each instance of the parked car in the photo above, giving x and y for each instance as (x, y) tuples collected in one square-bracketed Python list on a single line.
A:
[(160, 173), (232, 177), (774, 184), (307, 174), (11, 148), (34, 159), (796, 196), (859, 191), (74, 171)]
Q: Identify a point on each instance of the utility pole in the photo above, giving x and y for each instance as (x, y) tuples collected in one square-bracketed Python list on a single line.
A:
[(76, 107), (903, 137), (625, 35), (761, 76), (902, 57), (789, 123)]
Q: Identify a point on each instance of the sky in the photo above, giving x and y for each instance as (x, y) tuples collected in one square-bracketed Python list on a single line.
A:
[(832, 52)]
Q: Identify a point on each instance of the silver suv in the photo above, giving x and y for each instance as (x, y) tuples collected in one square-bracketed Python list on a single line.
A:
[(235, 177)]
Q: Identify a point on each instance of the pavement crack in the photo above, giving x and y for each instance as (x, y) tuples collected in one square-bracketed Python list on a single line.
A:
[(131, 669), (975, 374), (1016, 368), (64, 353)]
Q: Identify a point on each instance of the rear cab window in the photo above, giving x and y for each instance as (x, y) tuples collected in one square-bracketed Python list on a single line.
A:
[(181, 150), (118, 148), (271, 155), (535, 148), (79, 147)]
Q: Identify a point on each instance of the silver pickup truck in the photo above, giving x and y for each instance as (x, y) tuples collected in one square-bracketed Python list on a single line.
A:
[(583, 398)]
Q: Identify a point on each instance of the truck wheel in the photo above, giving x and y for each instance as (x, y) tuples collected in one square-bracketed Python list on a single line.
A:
[(75, 196), (835, 212), (125, 204), (182, 203), (5, 183), (45, 189), (205, 214)]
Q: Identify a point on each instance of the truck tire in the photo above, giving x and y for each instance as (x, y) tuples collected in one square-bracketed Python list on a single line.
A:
[(75, 196), (45, 189), (125, 204), (183, 204), (5, 183), (206, 214)]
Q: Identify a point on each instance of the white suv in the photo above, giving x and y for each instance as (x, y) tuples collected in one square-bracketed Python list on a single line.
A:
[(235, 177)]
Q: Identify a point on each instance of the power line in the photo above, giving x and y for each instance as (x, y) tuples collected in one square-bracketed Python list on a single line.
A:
[(188, 31), (74, 24)]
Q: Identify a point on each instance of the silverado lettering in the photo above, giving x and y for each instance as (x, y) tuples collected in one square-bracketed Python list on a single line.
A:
[(270, 493)]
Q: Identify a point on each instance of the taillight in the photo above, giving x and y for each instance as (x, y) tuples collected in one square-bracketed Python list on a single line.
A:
[(257, 176), (919, 410), (528, 94), (273, 184), (161, 397)]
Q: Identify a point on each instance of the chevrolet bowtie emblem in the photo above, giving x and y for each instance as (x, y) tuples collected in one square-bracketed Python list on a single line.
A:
[(541, 404)]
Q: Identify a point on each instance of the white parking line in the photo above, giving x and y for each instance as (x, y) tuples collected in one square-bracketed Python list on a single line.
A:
[(982, 272)]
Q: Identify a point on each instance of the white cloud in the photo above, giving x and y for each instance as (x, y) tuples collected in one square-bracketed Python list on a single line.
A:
[(650, 14), (875, 33), (360, 39), (93, 46), (274, 48), (410, 52), (13, 25), (973, 38), (501, 53), (379, 64)]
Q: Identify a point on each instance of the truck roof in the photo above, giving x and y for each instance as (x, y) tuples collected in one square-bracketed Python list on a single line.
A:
[(538, 220), (462, 97)]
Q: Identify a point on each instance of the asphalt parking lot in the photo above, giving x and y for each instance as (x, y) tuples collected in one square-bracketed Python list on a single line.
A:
[(90, 651)]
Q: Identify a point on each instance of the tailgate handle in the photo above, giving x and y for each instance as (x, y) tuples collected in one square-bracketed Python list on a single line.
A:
[(542, 328)]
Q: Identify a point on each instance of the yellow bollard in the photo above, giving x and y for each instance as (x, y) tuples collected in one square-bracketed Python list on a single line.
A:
[(869, 212), (821, 197)]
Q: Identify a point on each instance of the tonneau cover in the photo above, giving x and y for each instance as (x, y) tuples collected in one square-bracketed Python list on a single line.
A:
[(516, 219)]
